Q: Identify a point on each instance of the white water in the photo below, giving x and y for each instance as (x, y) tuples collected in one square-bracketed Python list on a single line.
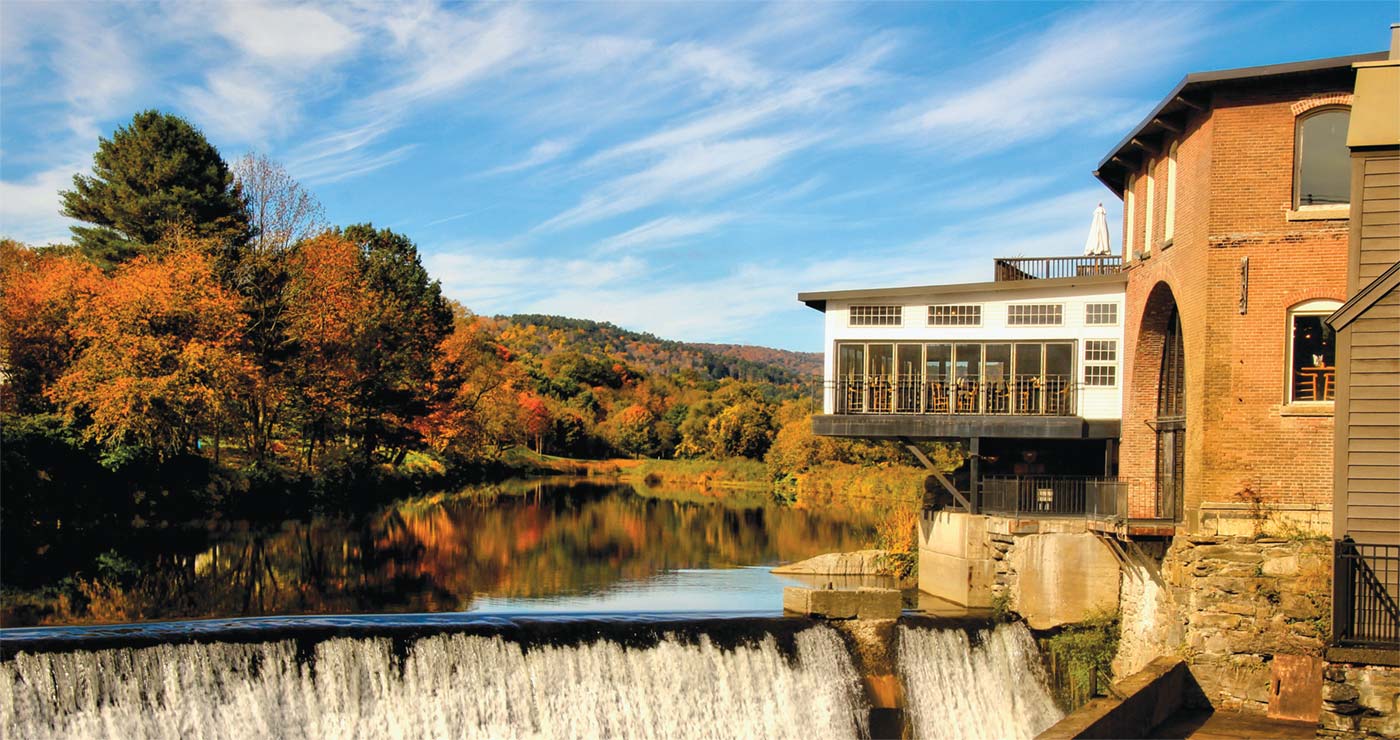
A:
[(954, 691), (447, 686)]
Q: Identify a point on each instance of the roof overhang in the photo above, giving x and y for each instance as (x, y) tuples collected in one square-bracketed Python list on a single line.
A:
[(1191, 94), (818, 299), (1365, 298)]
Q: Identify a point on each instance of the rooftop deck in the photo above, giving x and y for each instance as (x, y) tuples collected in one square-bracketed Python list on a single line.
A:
[(1051, 268)]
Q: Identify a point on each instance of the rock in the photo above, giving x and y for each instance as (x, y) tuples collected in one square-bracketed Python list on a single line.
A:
[(1228, 553), (861, 603), (1338, 693), (1282, 566), (858, 563)]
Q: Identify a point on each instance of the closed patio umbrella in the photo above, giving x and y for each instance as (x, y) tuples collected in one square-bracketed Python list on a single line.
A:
[(1097, 243)]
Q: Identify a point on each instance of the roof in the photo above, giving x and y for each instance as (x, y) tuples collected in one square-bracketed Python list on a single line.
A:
[(818, 300), (1188, 95), (1365, 298)]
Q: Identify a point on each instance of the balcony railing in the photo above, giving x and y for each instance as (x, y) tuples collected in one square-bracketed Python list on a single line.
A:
[(1046, 268), (1055, 496), (1367, 585), (1028, 395)]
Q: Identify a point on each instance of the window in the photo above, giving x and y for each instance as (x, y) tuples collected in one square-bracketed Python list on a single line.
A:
[(877, 315), (1147, 217), (1321, 160), (1312, 353), (1101, 314), (1169, 225), (1034, 314), (954, 315), (1101, 362), (1128, 206)]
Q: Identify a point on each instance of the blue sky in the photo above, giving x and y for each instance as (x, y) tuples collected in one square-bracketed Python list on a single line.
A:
[(679, 169)]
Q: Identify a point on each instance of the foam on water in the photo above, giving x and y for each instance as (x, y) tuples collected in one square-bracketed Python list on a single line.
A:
[(453, 685), (996, 689)]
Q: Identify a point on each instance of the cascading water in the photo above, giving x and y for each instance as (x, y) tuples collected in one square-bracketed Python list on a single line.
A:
[(453, 685), (956, 690)]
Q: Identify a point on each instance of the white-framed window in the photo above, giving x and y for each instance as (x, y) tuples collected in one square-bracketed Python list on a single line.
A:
[(1035, 314), (1129, 206), (1101, 314), (1147, 216), (955, 315), (1321, 160), (1101, 362), (1169, 224), (877, 316), (1312, 353)]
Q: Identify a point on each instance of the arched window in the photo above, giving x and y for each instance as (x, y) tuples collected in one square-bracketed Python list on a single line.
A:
[(1129, 204), (1147, 217), (1312, 352), (1169, 226), (1321, 161)]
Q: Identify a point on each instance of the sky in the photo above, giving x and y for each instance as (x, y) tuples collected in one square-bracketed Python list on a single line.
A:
[(682, 169)]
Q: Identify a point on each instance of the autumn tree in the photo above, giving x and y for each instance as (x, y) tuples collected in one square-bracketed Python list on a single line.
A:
[(283, 213), (159, 356), (407, 320), (154, 174), (472, 392), (39, 291)]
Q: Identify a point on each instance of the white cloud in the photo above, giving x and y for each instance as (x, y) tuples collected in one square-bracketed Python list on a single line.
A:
[(240, 104), (695, 170), (298, 34), (29, 209), (542, 153), (1055, 81), (663, 231)]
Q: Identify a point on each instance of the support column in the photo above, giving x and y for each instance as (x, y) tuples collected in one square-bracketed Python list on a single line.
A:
[(974, 470), (938, 474)]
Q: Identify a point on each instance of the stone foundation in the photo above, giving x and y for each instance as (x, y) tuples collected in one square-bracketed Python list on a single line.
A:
[(1228, 605), (1360, 701)]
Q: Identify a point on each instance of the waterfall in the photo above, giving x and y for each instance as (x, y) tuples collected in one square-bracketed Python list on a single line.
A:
[(958, 690), (457, 685)]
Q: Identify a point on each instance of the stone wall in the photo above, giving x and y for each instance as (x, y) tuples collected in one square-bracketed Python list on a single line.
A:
[(1228, 606), (1360, 701)]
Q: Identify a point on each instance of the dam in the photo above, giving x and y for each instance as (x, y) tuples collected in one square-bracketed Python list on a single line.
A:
[(635, 676)]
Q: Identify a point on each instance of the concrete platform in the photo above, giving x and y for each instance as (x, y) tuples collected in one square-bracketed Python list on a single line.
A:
[(860, 603)]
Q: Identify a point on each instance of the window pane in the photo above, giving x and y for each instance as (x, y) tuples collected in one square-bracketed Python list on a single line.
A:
[(938, 364), (851, 362), (998, 362), (969, 361), (1028, 359), (876, 315), (881, 359), (1324, 162), (1059, 359), (1314, 359), (910, 360)]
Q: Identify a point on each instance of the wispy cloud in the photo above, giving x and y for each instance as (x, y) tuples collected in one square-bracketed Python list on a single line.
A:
[(542, 153), (662, 232), (29, 208), (287, 34), (1058, 79)]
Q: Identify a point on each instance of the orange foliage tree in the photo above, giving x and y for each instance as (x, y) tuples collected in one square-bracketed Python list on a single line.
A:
[(159, 357), (39, 291)]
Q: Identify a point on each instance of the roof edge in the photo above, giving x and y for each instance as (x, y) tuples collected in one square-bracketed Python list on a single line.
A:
[(818, 299), (1365, 298)]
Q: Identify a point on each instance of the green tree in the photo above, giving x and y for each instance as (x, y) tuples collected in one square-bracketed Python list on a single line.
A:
[(157, 173), (408, 318)]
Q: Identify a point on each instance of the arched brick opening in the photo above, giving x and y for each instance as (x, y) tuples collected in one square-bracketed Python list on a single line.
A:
[(1158, 394)]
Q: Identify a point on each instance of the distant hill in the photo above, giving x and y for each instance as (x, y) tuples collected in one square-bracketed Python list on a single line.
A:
[(545, 335)]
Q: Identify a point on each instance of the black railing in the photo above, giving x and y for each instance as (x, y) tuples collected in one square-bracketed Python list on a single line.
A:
[(1366, 580), (1028, 395), (1055, 496), (1045, 268)]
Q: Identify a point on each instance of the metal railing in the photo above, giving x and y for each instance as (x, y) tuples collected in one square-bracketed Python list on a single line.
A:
[(1366, 585), (1045, 268), (1028, 395), (1054, 496)]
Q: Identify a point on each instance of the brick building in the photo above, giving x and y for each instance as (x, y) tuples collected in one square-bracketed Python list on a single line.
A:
[(1235, 249)]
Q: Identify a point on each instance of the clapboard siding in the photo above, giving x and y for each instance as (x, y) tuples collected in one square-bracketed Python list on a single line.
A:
[(1368, 353)]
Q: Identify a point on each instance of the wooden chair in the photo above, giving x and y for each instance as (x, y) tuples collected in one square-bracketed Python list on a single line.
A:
[(1329, 391), (967, 396), (1307, 387), (937, 401)]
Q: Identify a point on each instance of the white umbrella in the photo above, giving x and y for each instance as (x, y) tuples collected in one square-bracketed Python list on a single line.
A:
[(1097, 243)]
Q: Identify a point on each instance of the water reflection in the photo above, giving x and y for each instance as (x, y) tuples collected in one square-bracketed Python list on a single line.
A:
[(542, 545)]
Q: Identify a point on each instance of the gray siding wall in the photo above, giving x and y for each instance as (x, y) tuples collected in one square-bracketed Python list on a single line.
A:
[(1368, 403)]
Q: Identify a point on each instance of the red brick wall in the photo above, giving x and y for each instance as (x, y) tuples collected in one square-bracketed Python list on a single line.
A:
[(1234, 189)]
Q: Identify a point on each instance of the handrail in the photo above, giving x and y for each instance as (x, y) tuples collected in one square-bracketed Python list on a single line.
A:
[(1364, 609), (1049, 395), (1047, 268)]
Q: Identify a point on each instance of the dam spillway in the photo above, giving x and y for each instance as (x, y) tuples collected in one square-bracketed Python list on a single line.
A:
[(774, 678)]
